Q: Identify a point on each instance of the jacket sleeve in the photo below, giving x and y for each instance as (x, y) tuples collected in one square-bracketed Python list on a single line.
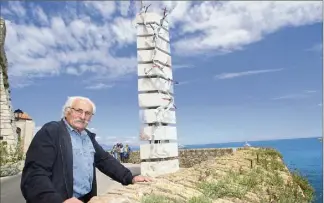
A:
[(108, 165), (36, 185)]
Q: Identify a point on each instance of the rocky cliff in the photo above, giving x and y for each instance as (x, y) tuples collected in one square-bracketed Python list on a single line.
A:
[(246, 175)]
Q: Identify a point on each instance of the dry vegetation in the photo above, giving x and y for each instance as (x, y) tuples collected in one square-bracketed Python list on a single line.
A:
[(10, 154), (249, 175)]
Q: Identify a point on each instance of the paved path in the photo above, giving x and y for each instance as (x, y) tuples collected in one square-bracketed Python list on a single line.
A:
[(10, 186)]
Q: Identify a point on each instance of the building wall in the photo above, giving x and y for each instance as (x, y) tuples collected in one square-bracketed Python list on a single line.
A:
[(27, 132), (7, 122)]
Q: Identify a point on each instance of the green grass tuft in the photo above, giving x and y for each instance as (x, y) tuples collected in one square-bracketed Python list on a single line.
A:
[(304, 184), (265, 179)]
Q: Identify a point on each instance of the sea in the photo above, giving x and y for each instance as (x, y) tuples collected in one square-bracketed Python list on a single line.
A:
[(303, 154)]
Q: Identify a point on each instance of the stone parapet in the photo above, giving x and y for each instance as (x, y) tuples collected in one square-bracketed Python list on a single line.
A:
[(189, 157)]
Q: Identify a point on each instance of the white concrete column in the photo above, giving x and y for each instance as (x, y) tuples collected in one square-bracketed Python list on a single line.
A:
[(156, 96)]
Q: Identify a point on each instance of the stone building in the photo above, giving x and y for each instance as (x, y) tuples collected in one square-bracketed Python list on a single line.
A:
[(8, 128), (25, 128), (14, 126)]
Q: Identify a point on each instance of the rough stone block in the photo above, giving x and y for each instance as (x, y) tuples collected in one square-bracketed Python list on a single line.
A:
[(149, 70), (153, 116), (154, 169), (153, 84), (147, 56), (152, 100), (159, 133), (160, 150), (149, 42), (6, 132), (4, 107), (148, 30)]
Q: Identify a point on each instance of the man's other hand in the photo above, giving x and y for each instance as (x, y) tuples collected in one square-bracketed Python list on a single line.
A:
[(72, 200), (137, 179)]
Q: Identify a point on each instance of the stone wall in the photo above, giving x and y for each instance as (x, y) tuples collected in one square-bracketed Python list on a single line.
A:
[(189, 157), (7, 123)]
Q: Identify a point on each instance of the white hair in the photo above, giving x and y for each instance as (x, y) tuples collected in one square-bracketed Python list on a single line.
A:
[(70, 100)]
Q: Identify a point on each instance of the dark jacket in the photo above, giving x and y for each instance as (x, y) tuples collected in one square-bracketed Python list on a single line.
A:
[(47, 176)]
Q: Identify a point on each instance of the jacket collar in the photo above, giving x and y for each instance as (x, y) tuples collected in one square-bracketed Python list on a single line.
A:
[(90, 134)]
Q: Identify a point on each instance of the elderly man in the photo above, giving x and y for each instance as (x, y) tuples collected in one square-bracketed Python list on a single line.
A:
[(61, 160)]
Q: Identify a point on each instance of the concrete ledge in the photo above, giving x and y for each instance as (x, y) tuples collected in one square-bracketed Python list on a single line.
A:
[(106, 184), (6, 178)]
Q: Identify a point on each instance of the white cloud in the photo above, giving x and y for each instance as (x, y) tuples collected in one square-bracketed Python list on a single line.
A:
[(124, 30), (84, 37), (105, 8), (310, 91), (99, 86), (124, 7), (39, 13), (72, 71), (92, 129), (16, 8), (231, 25), (316, 47), (291, 96), (245, 73), (180, 66), (303, 95), (73, 46)]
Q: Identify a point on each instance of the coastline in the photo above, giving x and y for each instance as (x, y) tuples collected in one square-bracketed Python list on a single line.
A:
[(247, 175)]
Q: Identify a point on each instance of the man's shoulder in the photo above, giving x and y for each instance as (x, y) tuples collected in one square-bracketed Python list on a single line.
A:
[(50, 127), (49, 131)]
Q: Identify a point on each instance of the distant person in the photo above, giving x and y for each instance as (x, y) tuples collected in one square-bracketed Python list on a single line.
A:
[(121, 155), (118, 152), (114, 152), (126, 153), (61, 160)]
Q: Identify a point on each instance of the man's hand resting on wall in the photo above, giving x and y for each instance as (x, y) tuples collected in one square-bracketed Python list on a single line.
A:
[(138, 179), (72, 200)]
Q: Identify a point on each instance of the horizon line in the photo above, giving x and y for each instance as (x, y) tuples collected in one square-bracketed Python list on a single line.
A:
[(238, 141)]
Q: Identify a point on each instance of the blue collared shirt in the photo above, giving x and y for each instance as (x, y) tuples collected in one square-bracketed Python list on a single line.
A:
[(83, 159)]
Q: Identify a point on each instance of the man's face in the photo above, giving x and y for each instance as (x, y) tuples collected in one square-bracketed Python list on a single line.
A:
[(79, 114)]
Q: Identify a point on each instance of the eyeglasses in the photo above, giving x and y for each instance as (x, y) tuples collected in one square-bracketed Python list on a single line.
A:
[(80, 112)]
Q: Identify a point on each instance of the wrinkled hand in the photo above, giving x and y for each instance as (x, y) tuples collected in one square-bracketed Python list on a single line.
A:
[(137, 179), (72, 200)]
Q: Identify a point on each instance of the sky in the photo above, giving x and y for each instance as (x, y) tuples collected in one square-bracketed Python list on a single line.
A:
[(246, 70)]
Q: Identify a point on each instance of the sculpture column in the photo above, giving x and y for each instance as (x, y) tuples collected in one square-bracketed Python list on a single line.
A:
[(156, 96)]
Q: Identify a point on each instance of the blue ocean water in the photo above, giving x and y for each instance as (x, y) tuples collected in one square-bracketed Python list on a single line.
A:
[(303, 154)]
